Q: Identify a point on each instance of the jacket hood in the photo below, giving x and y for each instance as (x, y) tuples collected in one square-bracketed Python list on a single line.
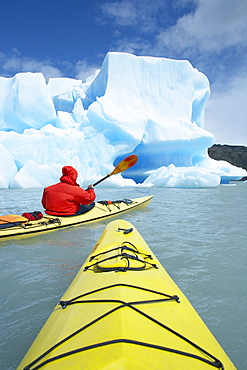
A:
[(69, 175)]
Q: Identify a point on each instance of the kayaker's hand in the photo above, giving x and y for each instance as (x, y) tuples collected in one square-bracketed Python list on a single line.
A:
[(90, 187)]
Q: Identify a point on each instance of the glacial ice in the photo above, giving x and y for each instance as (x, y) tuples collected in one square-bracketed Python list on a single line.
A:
[(152, 107)]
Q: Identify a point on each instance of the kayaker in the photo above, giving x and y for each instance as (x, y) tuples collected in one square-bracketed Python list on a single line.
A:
[(67, 198)]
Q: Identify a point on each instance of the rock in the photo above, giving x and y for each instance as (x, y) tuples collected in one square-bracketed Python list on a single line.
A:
[(234, 154)]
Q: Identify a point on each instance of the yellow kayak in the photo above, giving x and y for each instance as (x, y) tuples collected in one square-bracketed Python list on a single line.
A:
[(17, 226), (123, 311)]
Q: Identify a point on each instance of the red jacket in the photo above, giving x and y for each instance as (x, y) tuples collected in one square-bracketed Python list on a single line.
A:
[(66, 197)]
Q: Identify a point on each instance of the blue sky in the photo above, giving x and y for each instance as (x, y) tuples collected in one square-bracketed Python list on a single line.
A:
[(71, 38)]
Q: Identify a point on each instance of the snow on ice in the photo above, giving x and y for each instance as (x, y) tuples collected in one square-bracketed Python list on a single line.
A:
[(152, 107)]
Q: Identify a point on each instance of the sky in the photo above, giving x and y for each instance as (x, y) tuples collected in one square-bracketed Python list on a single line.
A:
[(70, 38)]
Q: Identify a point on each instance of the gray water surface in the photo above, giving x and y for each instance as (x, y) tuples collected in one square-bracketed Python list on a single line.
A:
[(199, 235)]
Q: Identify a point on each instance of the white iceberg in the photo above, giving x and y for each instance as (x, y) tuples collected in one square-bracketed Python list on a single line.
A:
[(152, 107)]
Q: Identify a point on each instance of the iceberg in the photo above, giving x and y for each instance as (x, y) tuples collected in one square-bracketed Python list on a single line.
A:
[(151, 107), (25, 103), (8, 168), (189, 177)]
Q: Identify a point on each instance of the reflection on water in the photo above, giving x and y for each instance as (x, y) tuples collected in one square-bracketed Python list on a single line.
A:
[(199, 235)]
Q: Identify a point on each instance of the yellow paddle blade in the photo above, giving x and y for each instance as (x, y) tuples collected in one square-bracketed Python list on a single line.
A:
[(122, 166), (125, 164)]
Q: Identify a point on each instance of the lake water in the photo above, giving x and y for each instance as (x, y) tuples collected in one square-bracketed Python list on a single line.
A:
[(199, 235)]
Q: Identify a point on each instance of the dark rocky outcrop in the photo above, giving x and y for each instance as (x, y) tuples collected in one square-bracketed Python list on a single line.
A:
[(234, 154)]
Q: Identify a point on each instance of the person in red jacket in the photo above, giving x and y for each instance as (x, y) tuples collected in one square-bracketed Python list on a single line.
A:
[(67, 198)]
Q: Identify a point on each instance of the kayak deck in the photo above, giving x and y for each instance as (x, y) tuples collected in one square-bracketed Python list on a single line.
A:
[(101, 210), (123, 311)]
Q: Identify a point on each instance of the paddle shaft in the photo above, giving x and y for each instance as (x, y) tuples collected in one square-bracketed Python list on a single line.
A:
[(98, 182), (124, 165)]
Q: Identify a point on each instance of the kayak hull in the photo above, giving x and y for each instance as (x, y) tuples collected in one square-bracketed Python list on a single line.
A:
[(123, 311), (98, 213)]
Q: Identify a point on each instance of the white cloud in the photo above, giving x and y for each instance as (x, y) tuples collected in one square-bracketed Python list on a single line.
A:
[(10, 65), (214, 26), (16, 63), (181, 28), (226, 112), (84, 69), (16, 51), (123, 13), (133, 45), (142, 15)]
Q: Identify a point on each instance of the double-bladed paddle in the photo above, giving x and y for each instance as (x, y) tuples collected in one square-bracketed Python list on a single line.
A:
[(124, 165)]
